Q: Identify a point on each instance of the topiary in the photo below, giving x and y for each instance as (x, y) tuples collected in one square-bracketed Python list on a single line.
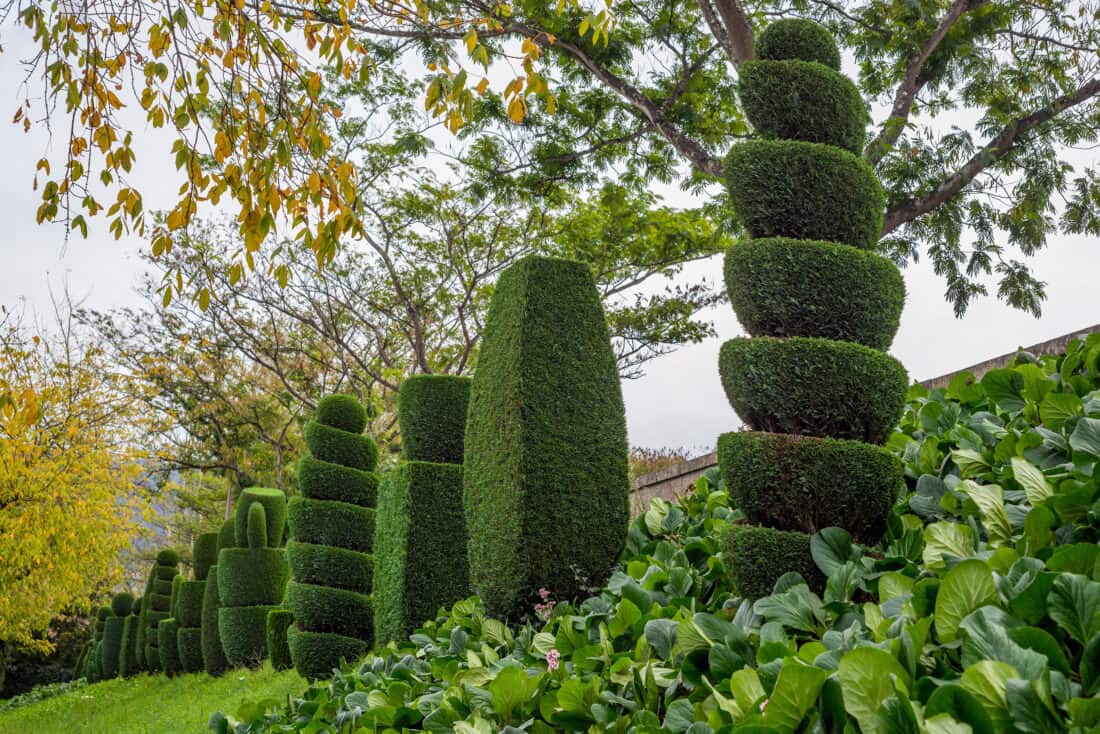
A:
[(337, 446), (273, 502), (317, 654), (322, 480), (331, 522), (278, 620), (343, 412), (796, 38), (122, 604), (128, 658), (168, 557), (546, 487), (204, 554), (431, 412), (763, 555), (168, 646), (227, 534), (111, 647), (189, 649), (213, 657), (330, 566)]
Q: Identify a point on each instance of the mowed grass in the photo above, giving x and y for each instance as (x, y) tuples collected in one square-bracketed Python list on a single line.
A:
[(150, 704)]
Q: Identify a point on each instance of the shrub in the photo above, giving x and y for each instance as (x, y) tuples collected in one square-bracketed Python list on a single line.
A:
[(547, 478), (189, 649), (420, 546), (756, 557), (173, 600), (278, 620), (330, 566), (189, 605), (316, 654), (797, 38), (326, 609), (344, 412), (813, 386), (161, 602), (323, 480), (803, 100), (330, 522), (111, 647), (243, 633), (431, 411), (204, 554), (168, 646), (789, 188), (213, 657), (803, 483), (127, 660), (251, 576), (341, 447), (273, 502), (122, 604), (839, 292), (168, 557), (227, 535), (164, 586), (166, 573), (152, 657)]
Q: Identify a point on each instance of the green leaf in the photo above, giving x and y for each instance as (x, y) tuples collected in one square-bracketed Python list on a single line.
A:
[(990, 501), (1042, 642), (897, 717), (1075, 605), (985, 637), (947, 539), (680, 716), (509, 690), (1057, 408), (945, 724), (831, 548), (1078, 558), (746, 689), (1005, 387), (987, 680), (867, 676), (951, 699), (1031, 707), (1034, 483), (661, 635), (971, 463), (1085, 441), (795, 693), (966, 587)]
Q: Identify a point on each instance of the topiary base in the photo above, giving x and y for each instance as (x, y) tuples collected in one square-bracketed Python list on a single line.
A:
[(111, 647), (317, 654), (189, 647), (757, 557), (213, 657), (278, 622), (168, 646), (152, 658), (325, 609), (189, 604), (243, 632)]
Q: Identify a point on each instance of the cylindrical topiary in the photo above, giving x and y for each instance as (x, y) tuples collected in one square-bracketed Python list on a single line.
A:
[(168, 646), (157, 605), (227, 535), (189, 603), (273, 502), (331, 529), (431, 412), (122, 604), (812, 379), (127, 660), (189, 649), (204, 554), (278, 621), (213, 657)]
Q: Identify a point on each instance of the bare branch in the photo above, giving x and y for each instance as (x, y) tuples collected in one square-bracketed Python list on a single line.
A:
[(738, 29)]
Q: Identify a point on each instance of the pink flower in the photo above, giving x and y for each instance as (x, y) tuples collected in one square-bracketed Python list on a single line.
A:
[(553, 659), (763, 705), (544, 594)]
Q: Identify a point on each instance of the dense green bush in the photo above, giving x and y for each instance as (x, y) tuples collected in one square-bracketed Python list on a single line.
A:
[(274, 503), (813, 386), (330, 522), (341, 447), (327, 609), (189, 605), (166, 573), (329, 566), (213, 657), (204, 554), (790, 188), (227, 534), (764, 555), (168, 646), (344, 412), (802, 100), (152, 656), (251, 576), (168, 557), (431, 412), (317, 654), (243, 632), (163, 587), (122, 604), (278, 651), (111, 647), (800, 39), (189, 649), (547, 482), (127, 659), (840, 292), (804, 483), (323, 480), (420, 544)]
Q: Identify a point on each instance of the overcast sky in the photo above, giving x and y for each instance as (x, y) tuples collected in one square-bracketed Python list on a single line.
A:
[(679, 403)]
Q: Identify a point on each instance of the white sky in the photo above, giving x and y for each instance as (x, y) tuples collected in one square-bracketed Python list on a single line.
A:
[(679, 403)]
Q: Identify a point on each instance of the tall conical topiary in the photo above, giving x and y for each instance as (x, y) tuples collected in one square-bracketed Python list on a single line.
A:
[(546, 485), (812, 382), (213, 656), (204, 554), (252, 579), (331, 530), (420, 534)]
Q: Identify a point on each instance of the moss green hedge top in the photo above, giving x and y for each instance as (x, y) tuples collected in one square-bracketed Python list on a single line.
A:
[(797, 38), (431, 411), (204, 554), (168, 557), (273, 502), (546, 480), (344, 412), (122, 604)]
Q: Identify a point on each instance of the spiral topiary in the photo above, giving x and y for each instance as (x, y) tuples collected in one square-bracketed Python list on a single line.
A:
[(812, 381), (331, 534)]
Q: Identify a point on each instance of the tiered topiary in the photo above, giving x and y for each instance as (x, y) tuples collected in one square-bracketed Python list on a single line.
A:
[(93, 663), (812, 382), (278, 648), (213, 656), (113, 651), (546, 487), (168, 632), (420, 534), (204, 553), (128, 661), (159, 604), (331, 530), (252, 578)]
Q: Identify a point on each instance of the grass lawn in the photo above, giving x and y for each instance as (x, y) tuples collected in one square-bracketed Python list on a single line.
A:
[(149, 704)]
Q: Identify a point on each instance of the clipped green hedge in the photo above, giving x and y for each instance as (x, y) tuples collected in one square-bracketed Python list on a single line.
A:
[(420, 544), (546, 484), (122, 604), (785, 287), (790, 188), (161, 602), (168, 557), (756, 557), (341, 447), (274, 503), (204, 554), (251, 576), (803, 100), (323, 480), (152, 658), (213, 657), (127, 657), (316, 654), (166, 573), (189, 649), (330, 522), (163, 586), (431, 411), (227, 534), (278, 620), (341, 411), (326, 609), (243, 633), (817, 387), (111, 647), (189, 604), (329, 566), (797, 38), (168, 646), (804, 483)]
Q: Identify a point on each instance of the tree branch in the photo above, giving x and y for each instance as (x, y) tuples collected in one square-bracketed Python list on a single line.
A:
[(738, 29), (912, 83), (993, 151), (718, 30)]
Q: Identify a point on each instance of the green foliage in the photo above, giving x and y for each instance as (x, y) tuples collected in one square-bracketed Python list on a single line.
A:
[(328, 609), (420, 544), (330, 522), (189, 604), (805, 483), (173, 600), (813, 386), (317, 654), (278, 651), (189, 649), (546, 482), (168, 557), (273, 502), (161, 602), (243, 632), (213, 657), (341, 447), (101, 615), (128, 660), (329, 566), (204, 554), (790, 188), (251, 576), (164, 586), (323, 480), (757, 557), (227, 535), (111, 647), (839, 292), (168, 646), (152, 655), (166, 573), (122, 604), (798, 38), (257, 527), (431, 411), (344, 412), (803, 100)]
